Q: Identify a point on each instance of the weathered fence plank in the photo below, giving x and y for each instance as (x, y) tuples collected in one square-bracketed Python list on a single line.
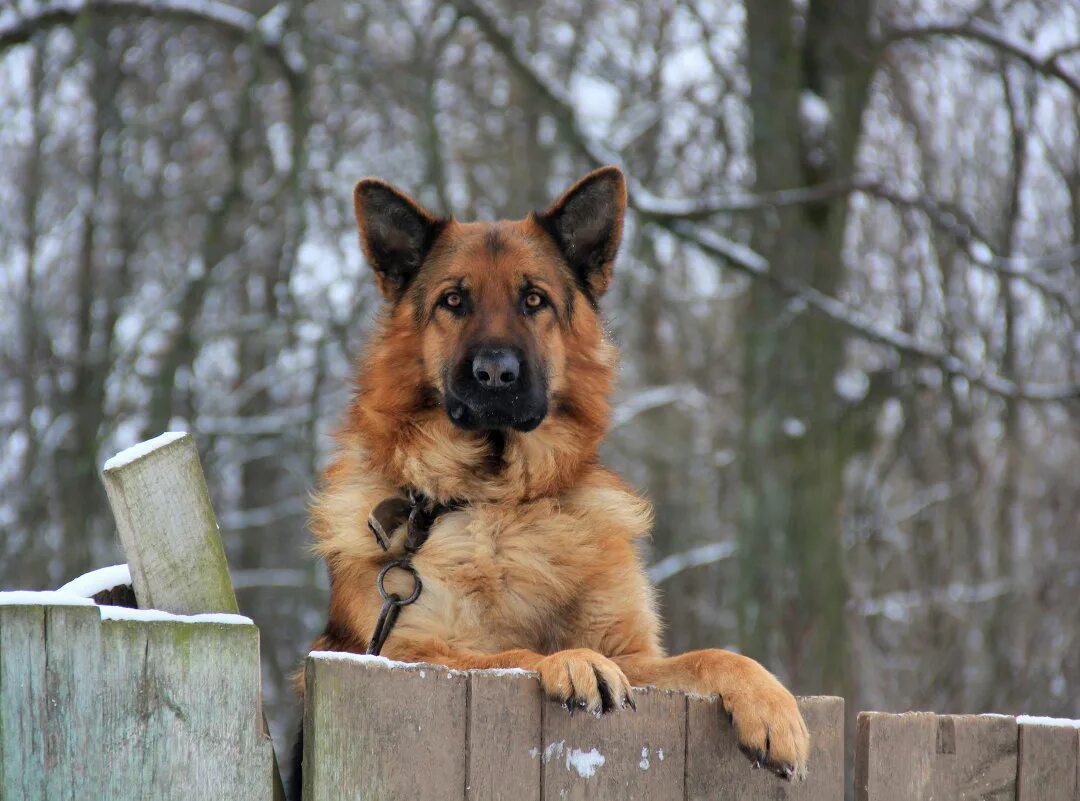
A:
[(894, 756), (169, 533), (368, 722), (503, 744), (824, 716), (23, 707), (715, 766), (919, 755), (167, 527), (134, 708), (376, 731), (625, 755), (1047, 763), (976, 758), (73, 755)]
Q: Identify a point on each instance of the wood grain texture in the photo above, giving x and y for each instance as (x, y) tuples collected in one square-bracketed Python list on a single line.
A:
[(1046, 763), (824, 716), (169, 532), (975, 758), (894, 756), (129, 710), (622, 755), (715, 768), (503, 745), (170, 537), (23, 712), (73, 756), (372, 731)]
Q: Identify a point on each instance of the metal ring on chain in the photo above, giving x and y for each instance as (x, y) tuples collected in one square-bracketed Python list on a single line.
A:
[(408, 568)]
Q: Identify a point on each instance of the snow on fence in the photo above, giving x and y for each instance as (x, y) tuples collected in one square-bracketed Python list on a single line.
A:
[(163, 702), (380, 729)]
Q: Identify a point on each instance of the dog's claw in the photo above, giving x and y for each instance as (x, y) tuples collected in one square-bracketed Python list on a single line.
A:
[(785, 771), (631, 702), (570, 706), (756, 756)]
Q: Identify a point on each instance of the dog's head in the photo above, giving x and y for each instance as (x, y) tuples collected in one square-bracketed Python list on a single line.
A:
[(496, 323)]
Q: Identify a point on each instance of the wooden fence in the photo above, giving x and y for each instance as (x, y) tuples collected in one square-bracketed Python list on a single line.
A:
[(100, 703), (380, 729), (106, 703), (920, 756)]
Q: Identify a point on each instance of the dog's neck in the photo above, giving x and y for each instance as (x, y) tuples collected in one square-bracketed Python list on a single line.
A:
[(435, 457)]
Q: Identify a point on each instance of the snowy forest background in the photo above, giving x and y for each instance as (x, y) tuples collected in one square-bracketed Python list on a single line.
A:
[(847, 298)]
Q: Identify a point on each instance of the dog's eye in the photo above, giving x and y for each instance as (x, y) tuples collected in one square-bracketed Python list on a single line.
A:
[(452, 300), (534, 301)]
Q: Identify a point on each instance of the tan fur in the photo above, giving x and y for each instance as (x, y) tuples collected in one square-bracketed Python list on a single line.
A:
[(541, 569)]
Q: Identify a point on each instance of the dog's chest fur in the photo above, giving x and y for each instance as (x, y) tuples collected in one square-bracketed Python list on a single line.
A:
[(497, 579), (496, 575)]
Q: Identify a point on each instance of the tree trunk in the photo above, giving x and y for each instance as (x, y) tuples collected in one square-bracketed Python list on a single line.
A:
[(793, 587)]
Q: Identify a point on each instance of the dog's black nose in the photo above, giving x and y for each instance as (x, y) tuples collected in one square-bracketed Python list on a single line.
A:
[(496, 368)]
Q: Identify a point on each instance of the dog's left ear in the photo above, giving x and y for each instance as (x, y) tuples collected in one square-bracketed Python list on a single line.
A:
[(586, 223), (396, 232)]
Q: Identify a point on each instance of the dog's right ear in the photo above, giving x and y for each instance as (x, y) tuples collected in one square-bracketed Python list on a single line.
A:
[(396, 232)]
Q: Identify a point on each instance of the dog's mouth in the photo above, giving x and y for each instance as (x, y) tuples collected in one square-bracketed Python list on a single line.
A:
[(512, 411)]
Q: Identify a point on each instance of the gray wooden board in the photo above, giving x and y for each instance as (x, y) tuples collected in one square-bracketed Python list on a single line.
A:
[(976, 758), (894, 756), (622, 755), (716, 768), (22, 703), (129, 709), (375, 730), (126, 709), (169, 532), (73, 702), (503, 745), (1046, 763), (203, 738), (824, 716)]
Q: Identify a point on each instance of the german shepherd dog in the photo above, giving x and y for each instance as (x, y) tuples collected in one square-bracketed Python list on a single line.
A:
[(485, 389)]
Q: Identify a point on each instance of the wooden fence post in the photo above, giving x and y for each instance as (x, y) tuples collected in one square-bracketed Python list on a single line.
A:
[(130, 708), (503, 741), (716, 768), (634, 755), (167, 527), (894, 756), (373, 729), (976, 757), (158, 494), (1047, 763), (921, 756)]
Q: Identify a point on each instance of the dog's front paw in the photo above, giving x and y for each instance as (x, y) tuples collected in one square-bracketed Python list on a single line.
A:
[(581, 678), (768, 725)]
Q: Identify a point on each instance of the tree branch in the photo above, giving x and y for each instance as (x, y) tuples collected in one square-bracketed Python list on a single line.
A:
[(744, 259), (695, 557), (17, 28), (977, 30)]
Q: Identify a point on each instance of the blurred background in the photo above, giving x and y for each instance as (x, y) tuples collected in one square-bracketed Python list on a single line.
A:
[(847, 297)]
